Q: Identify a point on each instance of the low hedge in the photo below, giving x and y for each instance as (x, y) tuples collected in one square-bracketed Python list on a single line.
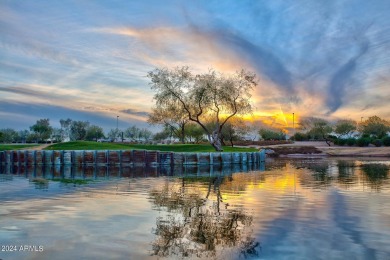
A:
[(386, 141), (377, 142), (363, 141)]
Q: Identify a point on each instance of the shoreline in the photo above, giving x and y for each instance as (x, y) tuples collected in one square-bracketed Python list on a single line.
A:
[(307, 149), (301, 155)]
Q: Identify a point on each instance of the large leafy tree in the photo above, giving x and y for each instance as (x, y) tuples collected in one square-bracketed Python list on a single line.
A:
[(234, 130), (194, 133), (57, 135), (22, 136), (42, 129), (375, 126), (137, 134), (65, 128), (164, 134), (78, 130), (204, 96), (146, 134), (345, 127), (321, 128), (317, 128), (170, 115), (271, 134), (133, 133), (8, 135), (114, 134), (94, 132)]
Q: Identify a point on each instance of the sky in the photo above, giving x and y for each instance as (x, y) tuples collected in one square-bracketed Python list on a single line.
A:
[(88, 60)]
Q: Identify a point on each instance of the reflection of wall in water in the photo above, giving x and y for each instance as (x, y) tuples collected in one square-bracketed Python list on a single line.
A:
[(115, 171)]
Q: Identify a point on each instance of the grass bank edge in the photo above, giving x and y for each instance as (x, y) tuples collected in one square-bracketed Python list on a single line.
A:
[(8, 147), (86, 145)]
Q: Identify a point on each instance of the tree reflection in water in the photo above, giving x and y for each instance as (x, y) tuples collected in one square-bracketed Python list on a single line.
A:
[(376, 174), (346, 170), (198, 222), (346, 177), (320, 176)]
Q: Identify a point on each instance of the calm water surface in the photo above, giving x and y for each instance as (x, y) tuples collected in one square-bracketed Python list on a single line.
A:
[(289, 209)]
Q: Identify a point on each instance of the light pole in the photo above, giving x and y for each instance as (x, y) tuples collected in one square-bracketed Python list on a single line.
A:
[(117, 130), (294, 122)]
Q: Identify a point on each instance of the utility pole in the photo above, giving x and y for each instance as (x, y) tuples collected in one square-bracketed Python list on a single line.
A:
[(117, 117)]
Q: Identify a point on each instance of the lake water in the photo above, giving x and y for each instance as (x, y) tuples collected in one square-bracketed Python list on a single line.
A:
[(289, 209)]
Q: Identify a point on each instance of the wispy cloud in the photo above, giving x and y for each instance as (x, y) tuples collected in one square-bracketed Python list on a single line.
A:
[(342, 79), (135, 112), (312, 57), (74, 99), (173, 46)]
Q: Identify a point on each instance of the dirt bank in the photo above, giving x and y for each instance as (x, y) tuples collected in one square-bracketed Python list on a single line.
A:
[(321, 148)]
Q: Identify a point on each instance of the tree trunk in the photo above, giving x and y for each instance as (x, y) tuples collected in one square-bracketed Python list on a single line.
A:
[(217, 146), (223, 140), (326, 140), (182, 134), (216, 141)]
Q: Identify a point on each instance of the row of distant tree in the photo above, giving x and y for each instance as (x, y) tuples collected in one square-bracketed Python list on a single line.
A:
[(73, 130), (70, 130), (374, 130)]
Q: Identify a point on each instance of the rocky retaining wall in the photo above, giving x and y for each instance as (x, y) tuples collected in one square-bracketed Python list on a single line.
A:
[(126, 157)]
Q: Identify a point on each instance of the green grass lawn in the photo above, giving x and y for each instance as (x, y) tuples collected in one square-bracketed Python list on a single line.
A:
[(83, 145), (4, 147)]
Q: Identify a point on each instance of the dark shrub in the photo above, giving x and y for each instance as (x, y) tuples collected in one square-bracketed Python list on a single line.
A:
[(363, 141), (386, 141), (351, 141), (339, 141), (300, 137), (377, 142), (342, 141)]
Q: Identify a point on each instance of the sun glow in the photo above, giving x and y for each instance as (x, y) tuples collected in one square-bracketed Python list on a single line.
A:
[(273, 119), (282, 115)]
